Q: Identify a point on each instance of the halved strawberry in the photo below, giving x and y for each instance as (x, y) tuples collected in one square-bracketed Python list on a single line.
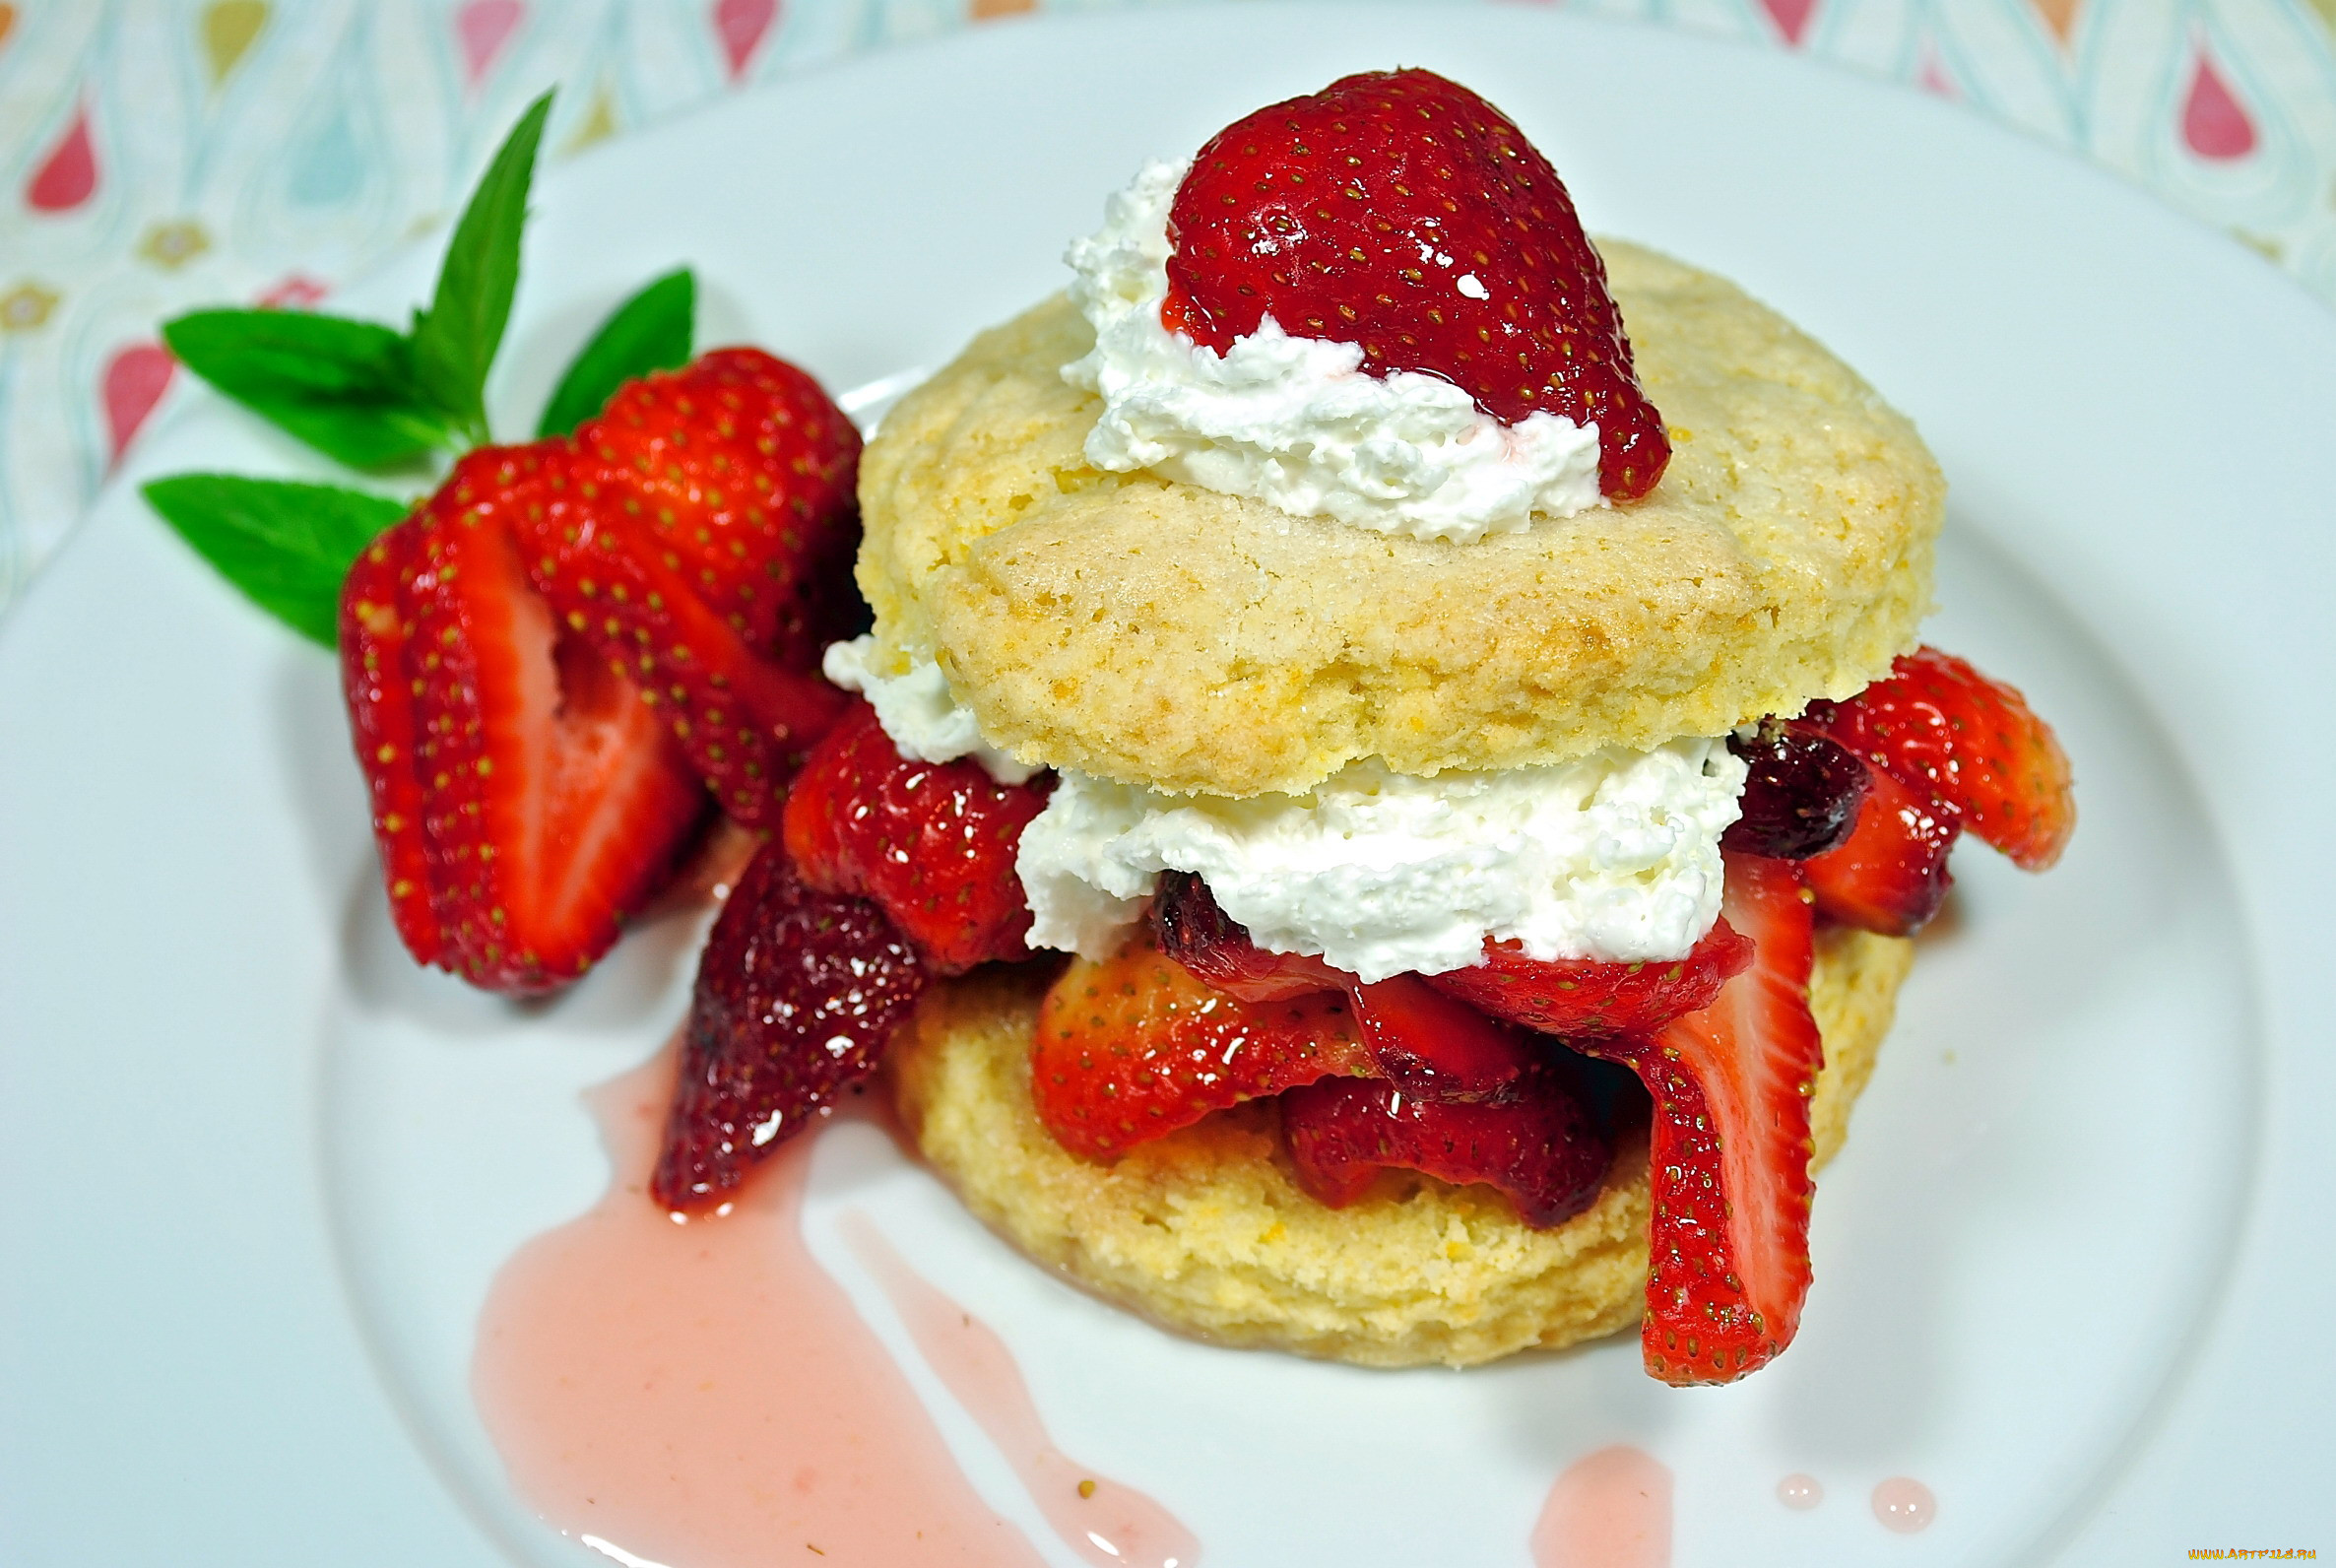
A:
[(1584, 997), (1936, 723), (1136, 1046), (798, 992), (1539, 1143), (1891, 874), (709, 553), (932, 842), (520, 785), (1424, 1042), (1400, 212), (1728, 1166)]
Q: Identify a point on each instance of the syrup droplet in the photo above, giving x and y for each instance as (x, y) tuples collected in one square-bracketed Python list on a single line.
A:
[(1801, 1491), (1110, 1525), (694, 1393), (1905, 1505), (1611, 1509)]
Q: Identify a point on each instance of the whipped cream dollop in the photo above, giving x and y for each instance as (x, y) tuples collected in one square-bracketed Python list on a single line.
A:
[(917, 709), (1295, 422), (1614, 857)]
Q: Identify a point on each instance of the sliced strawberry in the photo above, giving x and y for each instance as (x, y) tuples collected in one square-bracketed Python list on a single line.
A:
[(550, 802), (1539, 1143), (1424, 1042), (797, 993), (708, 551), (1402, 213), (1801, 792), (1191, 928), (744, 469), (1583, 998), (375, 625), (932, 842), (1136, 1047), (1891, 874), (1936, 723), (1728, 1166)]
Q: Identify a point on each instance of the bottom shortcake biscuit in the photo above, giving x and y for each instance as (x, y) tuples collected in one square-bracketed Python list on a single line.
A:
[(1206, 1231)]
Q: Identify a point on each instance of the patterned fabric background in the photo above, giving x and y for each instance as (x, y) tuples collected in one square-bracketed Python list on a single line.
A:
[(160, 154)]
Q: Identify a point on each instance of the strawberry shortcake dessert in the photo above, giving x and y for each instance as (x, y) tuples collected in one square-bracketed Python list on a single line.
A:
[(1454, 693), (1380, 810)]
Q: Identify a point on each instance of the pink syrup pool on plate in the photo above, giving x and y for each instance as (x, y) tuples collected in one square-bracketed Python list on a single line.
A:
[(1109, 1524), (703, 1394), (1611, 1509)]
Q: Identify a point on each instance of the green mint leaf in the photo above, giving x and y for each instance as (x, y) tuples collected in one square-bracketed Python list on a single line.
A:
[(344, 388), (455, 339), (285, 544), (651, 331)]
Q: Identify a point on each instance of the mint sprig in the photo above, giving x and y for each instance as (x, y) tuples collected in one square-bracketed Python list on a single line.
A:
[(651, 331), (344, 388), (378, 399), (455, 339), (362, 393), (286, 546)]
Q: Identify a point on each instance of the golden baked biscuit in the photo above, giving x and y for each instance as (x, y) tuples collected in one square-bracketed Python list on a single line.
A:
[(1204, 1231), (1163, 634)]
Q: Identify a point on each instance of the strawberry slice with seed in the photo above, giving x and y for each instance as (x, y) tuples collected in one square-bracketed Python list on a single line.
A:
[(1136, 1046), (1891, 874), (1940, 727), (709, 553), (538, 795), (798, 993), (932, 842), (1539, 1143), (1423, 1041), (1728, 1162), (1586, 998)]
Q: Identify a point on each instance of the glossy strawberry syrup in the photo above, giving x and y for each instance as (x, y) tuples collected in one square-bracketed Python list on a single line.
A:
[(1111, 1525), (1611, 1509), (703, 1394)]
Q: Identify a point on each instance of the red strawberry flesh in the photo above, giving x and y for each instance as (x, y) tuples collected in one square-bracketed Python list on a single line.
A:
[(550, 803), (1422, 1040), (1400, 212), (1136, 1046), (707, 549), (1728, 1162), (798, 992), (1539, 1143), (932, 842), (1939, 726), (1588, 999), (1890, 876)]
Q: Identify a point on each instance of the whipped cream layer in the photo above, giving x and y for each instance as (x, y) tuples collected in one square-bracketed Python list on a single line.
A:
[(1295, 422), (1613, 857)]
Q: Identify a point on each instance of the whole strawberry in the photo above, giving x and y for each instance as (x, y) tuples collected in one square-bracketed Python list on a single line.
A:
[(797, 993), (1400, 212)]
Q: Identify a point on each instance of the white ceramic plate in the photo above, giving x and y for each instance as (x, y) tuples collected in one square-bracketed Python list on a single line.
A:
[(2071, 1269)]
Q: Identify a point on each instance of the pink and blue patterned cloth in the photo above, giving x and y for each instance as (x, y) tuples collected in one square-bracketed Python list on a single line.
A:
[(157, 154)]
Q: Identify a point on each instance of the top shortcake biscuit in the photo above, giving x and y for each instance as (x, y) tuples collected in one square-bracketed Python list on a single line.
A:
[(1142, 629)]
